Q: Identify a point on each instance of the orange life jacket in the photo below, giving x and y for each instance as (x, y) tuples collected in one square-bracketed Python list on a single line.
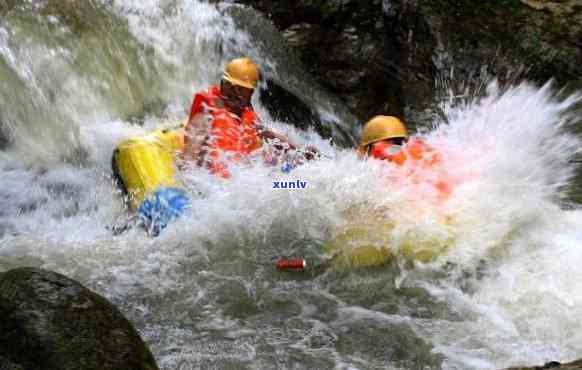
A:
[(228, 137), (419, 158)]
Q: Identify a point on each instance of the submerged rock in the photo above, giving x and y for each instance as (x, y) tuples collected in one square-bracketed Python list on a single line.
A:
[(52, 322), (576, 365)]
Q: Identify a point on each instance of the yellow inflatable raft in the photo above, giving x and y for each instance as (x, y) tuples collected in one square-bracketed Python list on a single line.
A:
[(147, 163), (368, 240)]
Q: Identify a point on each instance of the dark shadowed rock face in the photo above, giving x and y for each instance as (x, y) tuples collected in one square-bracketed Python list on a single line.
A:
[(4, 140), (576, 365), (6, 364), (347, 46), (52, 322), (506, 39), (381, 56)]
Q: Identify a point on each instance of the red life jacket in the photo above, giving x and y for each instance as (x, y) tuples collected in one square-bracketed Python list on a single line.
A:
[(227, 137), (419, 158), (387, 151)]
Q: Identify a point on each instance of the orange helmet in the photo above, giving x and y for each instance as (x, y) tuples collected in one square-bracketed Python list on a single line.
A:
[(381, 128), (242, 72)]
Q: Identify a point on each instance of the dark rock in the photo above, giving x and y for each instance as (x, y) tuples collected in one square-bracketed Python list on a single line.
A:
[(383, 56), (52, 322), (284, 106), (4, 140), (6, 364), (347, 47), (575, 365), (508, 40)]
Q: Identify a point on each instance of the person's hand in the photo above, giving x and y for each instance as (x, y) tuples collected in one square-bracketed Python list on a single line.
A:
[(282, 143), (310, 152)]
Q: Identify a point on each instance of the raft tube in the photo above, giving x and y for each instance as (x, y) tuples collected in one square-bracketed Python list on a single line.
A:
[(146, 170), (146, 163), (368, 242)]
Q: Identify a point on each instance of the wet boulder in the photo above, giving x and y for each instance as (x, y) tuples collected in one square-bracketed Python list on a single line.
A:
[(6, 364), (4, 137), (284, 106), (52, 322), (576, 365), (348, 46), (388, 56)]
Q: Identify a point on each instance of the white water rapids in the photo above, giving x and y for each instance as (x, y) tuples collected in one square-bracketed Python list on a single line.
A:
[(205, 293)]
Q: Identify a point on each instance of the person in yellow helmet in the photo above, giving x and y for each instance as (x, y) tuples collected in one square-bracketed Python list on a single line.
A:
[(383, 138), (223, 124), (386, 138)]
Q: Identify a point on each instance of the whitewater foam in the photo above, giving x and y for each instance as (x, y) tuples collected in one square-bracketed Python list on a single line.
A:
[(505, 293)]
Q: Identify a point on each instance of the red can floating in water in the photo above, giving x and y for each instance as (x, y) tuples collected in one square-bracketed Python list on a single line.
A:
[(291, 264)]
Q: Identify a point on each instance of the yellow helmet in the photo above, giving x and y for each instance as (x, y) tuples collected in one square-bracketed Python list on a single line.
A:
[(242, 72), (381, 128)]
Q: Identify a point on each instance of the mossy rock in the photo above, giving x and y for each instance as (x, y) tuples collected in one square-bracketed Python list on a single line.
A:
[(52, 322)]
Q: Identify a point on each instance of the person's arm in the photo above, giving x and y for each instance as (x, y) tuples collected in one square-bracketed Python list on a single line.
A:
[(309, 152), (282, 143), (269, 135), (197, 131), (196, 136)]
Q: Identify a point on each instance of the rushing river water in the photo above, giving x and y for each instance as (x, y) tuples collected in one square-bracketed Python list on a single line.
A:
[(205, 293)]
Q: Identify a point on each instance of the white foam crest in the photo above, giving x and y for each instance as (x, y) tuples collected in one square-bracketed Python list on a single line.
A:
[(536, 290), (523, 311), (510, 152), (507, 156), (100, 139), (36, 66), (189, 35)]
